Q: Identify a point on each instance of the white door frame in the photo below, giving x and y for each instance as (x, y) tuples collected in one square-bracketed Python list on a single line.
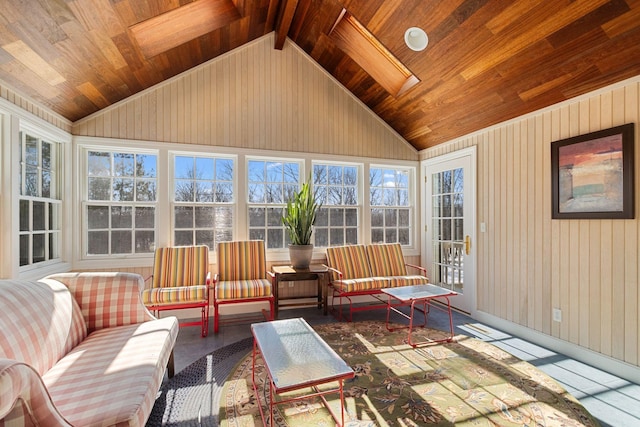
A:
[(470, 226)]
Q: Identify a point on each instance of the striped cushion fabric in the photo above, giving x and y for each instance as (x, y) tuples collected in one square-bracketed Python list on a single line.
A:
[(394, 282), (182, 294), (363, 284), (24, 398), (386, 259), (239, 289), (106, 299), (241, 260), (351, 260), (40, 323), (98, 383), (180, 266)]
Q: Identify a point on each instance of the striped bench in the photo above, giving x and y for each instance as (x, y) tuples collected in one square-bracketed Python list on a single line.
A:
[(358, 270)]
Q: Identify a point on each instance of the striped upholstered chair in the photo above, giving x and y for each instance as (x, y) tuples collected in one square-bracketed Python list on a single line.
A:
[(181, 279), (242, 276)]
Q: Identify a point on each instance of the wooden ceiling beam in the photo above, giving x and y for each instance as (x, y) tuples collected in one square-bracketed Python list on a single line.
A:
[(285, 17), (183, 24), (355, 40)]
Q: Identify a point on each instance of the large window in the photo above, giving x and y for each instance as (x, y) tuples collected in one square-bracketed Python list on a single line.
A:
[(203, 198), (40, 200), (336, 187), (270, 184), (120, 205), (389, 201)]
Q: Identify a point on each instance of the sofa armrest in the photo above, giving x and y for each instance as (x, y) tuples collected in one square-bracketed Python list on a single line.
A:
[(24, 400), (107, 299), (423, 270)]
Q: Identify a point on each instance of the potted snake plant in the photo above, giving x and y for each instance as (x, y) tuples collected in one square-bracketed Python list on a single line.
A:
[(298, 218)]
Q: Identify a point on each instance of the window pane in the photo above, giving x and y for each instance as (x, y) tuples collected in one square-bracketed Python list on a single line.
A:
[(38, 248), (146, 165), (274, 172), (291, 173), (145, 217), (183, 238), (99, 189), (403, 218), (223, 193), (184, 191), (145, 241), (224, 217), (403, 236), (24, 249), (351, 217), (274, 193), (274, 217), (321, 237), (350, 175), (204, 218), (46, 184), (98, 243), (337, 236), (322, 217), (25, 218), (352, 236), (123, 164), (99, 164), (39, 220), (121, 217), (275, 238), (377, 235), (98, 217), (390, 218), (336, 217), (224, 169), (223, 236), (257, 193), (377, 217), (183, 217), (204, 168), (256, 234), (31, 151), (256, 171), (204, 192), (205, 237), (146, 190), (391, 235), (121, 242), (257, 217), (183, 167), (31, 182), (123, 190)]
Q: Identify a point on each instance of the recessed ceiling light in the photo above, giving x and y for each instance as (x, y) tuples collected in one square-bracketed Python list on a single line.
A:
[(416, 39)]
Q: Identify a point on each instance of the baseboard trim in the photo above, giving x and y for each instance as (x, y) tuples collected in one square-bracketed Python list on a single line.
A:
[(606, 363)]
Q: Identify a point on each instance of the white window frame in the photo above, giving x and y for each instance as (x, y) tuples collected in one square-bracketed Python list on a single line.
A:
[(359, 206), (411, 190), (266, 205), (85, 202), (233, 205), (13, 120)]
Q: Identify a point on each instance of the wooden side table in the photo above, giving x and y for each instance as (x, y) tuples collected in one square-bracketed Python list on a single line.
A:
[(286, 273)]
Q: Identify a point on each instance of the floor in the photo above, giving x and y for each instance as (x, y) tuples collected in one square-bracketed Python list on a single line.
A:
[(612, 400)]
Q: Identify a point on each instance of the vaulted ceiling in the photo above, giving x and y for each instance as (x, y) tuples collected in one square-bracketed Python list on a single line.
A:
[(487, 60)]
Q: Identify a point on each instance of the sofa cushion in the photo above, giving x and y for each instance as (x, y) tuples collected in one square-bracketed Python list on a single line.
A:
[(362, 284), (239, 289), (169, 296), (98, 294), (350, 260), (99, 382), (386, 260), (40, 322)]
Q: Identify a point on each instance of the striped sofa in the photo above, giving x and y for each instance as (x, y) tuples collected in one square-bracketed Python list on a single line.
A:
[(80, 349), (358, 270)]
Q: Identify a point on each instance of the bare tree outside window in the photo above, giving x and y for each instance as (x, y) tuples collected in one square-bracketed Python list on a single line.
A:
[(390, 205)]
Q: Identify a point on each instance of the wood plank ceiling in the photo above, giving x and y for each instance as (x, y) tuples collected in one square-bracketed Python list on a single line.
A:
[(487, 60)]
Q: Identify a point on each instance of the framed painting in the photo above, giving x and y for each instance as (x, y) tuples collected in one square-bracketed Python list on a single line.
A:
[(592, 175)]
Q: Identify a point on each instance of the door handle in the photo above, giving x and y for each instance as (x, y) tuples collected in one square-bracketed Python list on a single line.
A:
[(467, 244)]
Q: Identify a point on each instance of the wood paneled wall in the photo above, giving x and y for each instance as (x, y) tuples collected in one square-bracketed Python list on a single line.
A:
[(43, 113), (528, 263), (253, 97)]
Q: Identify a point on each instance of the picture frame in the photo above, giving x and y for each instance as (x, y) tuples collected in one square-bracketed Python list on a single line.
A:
[(592, 175)]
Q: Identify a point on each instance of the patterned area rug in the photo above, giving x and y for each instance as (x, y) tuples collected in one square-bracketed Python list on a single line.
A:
[(466, 382), (192, 396)]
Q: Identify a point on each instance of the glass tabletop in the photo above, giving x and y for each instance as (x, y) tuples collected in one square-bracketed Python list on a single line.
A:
[(408, 293), (296, 356)]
